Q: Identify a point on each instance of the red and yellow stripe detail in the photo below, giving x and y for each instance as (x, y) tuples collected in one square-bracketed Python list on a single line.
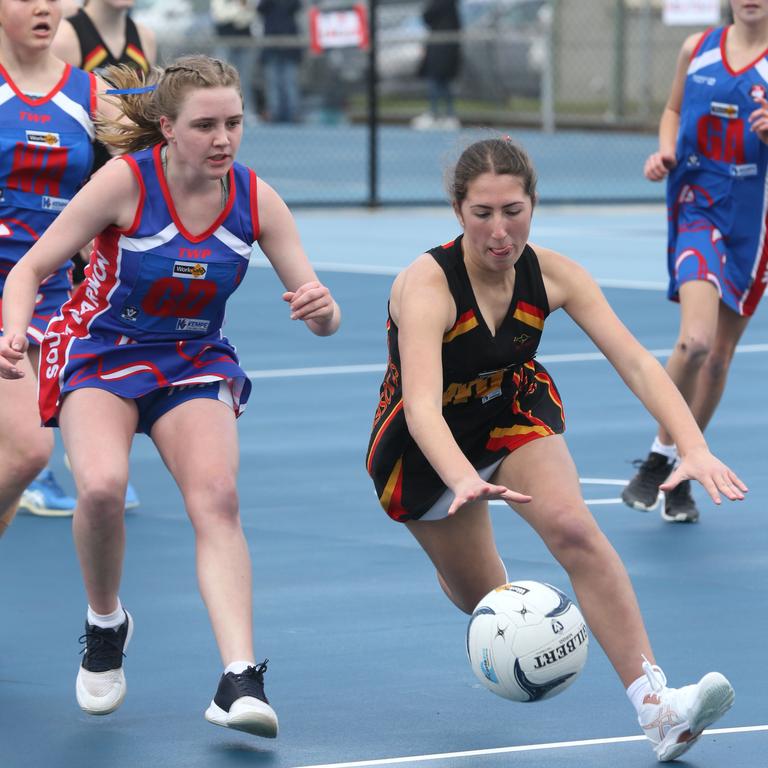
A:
[(95, 58), (391, 497), (530, 315), (465, 323), (136, 56)]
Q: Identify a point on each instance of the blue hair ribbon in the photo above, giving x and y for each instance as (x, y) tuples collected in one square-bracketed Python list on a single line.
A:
[(121, 91)]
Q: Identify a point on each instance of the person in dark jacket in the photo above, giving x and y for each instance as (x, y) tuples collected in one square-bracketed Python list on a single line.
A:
[(281, 63), (440, 66)]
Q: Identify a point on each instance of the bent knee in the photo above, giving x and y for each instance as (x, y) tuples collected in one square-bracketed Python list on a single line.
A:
[(101, 495), (215, 500), (29, 459), (573, 536), (694, 348)]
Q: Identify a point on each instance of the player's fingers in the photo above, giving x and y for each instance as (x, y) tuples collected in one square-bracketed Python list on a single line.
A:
[(674, 479), (516, 498), (737, 481)]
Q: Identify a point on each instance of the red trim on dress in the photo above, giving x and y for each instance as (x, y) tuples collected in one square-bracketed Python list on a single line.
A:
[(172, 208), (254, 197), (727, 66), (43, 99), (133, 165)]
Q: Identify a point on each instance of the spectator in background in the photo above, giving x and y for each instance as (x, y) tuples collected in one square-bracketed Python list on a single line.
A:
[(281, 63), (440, 66), (234, 19)]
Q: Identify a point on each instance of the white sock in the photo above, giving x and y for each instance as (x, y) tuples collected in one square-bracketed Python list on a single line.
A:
[(670, 451), (236, 667), (109, 620), (638, 690)]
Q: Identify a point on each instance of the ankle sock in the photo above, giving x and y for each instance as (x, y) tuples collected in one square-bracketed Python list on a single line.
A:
[(236, 667), (670, 451), (108, 620)]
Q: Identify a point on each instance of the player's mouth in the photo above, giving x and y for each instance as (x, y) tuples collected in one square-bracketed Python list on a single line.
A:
[(42, 29), (219, 159), (501, 253)]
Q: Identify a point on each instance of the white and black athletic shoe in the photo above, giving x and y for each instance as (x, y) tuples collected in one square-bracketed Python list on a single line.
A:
[(240, 703), (100, 686), (642, 491)]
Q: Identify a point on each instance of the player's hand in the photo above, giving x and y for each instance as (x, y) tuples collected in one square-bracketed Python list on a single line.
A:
[(758, 120), (658, 165), (715, 476), (475, 488), (311, 301), (13, 347)]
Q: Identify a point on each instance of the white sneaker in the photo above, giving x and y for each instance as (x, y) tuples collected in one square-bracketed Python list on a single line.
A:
[(100, 687), (673, 718)]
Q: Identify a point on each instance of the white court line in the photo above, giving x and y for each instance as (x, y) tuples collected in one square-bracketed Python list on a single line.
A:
[(522, 748), (570, 357), (585, 481)]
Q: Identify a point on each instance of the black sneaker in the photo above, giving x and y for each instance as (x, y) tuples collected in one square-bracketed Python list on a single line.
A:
[(679, 506), (642, 491), (100, 686), (240, 703)]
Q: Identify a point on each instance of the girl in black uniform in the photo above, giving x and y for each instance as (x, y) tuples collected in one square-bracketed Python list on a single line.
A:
[(464, 405)]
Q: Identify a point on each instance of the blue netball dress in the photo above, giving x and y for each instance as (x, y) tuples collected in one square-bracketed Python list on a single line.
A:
[(717, 196), (150, 312), (45, 155)]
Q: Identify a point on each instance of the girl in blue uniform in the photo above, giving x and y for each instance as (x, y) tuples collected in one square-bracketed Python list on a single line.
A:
[(713, 149), (46, 128), (139, 347), (466, 414)]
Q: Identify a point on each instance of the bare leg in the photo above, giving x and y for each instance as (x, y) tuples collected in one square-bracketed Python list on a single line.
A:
[(699, 307), (714, 372), (601, 583), (464, 553), (97, 428), (208, 482), (25, 446)]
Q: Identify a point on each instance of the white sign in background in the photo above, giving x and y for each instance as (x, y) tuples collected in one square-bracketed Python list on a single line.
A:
[(691, 12)]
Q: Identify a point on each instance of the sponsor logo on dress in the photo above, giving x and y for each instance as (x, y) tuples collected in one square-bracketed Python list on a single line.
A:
[(704, 80), (746, 169), (49, 203), (43, 138), (130, 313), (721, 109), (192, 324), (190, 270), (757, 91), (693, 160)]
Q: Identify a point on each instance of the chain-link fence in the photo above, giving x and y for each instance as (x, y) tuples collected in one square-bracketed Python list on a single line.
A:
[(581, 82)]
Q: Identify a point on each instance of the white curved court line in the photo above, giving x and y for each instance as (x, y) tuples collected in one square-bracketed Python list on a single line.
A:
[(521, 748), (570, 357)]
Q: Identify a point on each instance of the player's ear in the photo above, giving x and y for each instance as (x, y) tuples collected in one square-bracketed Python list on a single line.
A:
[(457, 211), (166, 128)]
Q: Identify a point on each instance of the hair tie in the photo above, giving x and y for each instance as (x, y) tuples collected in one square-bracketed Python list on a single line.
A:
[(122, 91)]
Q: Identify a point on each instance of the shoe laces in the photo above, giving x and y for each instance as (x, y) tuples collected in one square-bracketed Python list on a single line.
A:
[(102, 649), (251, 680), (655, 675)]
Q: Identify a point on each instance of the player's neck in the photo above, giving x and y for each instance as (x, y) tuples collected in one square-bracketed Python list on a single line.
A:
[(749, 37), (33, 70), (108, 20)]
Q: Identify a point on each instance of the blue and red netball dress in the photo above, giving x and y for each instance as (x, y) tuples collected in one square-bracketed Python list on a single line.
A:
[(150, 312), (45, 155), (496, 397), (717, 195)]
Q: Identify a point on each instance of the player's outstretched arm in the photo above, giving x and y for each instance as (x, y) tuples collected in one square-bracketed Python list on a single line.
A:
[(571, 287)]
